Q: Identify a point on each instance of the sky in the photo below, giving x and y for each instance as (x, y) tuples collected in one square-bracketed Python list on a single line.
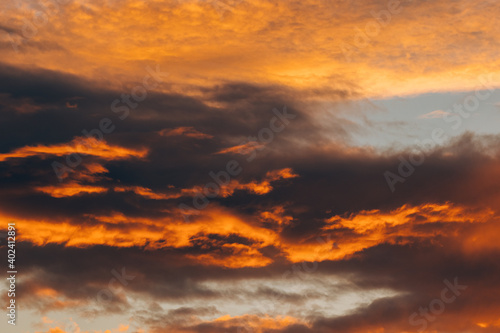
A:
[(250, 166)]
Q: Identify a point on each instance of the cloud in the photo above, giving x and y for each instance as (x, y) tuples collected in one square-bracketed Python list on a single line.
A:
[(435, 114), (300, 34), (79, 145), (243, 149), (70, 189), (189, 132), (310, 198)]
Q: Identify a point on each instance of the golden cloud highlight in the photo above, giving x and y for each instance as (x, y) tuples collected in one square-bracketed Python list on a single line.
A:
[(359, 60), (350, 234), (70, 189), (341, 237), (79, 145)]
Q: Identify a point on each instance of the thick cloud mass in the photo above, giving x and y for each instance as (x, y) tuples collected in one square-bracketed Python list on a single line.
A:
[(231, 196)]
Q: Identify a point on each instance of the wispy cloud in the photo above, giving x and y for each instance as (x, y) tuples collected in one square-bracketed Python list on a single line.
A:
[(435, 114)]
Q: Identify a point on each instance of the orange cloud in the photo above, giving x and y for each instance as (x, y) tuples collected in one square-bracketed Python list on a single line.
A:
[(257, 324), (422, 36), (146, 192), (365, 229), (244, 323), (239, 256), (49, 299), (79, 145), (243, 149), (95, 168), (255, 187), (46, 292), (122, 328), (493, 323), (155, 233), (150, 194), (56, 330), (70, 189), (185, 131), (343, 236), (76, 328), (277, 216), (260, 188)]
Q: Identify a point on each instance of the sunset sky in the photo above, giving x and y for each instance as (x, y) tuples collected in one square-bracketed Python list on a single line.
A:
[(251, 166)]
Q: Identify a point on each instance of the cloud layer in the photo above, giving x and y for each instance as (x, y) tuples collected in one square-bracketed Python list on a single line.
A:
[(191, 167)]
